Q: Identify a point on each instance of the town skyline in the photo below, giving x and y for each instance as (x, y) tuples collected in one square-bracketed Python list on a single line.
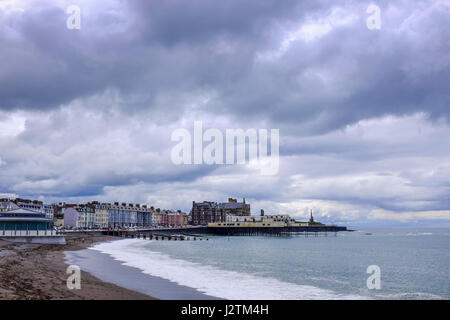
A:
[(305, 215)]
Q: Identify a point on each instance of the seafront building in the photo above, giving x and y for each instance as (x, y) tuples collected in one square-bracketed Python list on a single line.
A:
[(277, 220), (177, 218), (234, 208), (206, 212), (101, 215), (118, 215), (33, 205), (170, 218), (129, 215), (14, 218), (79, 216), (28, 221), (97, 215), (7, 205), (58, 216)]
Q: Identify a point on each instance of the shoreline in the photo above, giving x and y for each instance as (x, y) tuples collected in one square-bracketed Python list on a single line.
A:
[(38, 272), (96, 263)]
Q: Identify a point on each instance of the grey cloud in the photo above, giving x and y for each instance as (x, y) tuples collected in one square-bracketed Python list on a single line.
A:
[(170, 47)]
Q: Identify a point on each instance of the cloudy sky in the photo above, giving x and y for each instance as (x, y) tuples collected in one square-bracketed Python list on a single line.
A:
[(87, 114)]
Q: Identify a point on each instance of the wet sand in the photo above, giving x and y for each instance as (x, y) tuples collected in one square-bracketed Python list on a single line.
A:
[(37, 271), (110, 270)]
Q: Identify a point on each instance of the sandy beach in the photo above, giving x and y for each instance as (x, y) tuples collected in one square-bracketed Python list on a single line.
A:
[(35, 272)]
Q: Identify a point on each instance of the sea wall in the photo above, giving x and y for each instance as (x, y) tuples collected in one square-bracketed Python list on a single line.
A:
[(39, 240)]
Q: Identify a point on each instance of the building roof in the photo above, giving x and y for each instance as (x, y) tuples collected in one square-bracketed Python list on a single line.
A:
[(23, 215), (232, 205), (21, 211), (24, 219), (206, 204), (8, 205)]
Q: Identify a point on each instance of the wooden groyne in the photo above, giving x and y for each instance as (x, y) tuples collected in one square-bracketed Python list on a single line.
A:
[(161, 234)]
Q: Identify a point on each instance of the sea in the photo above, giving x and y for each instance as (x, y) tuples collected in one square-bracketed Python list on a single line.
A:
[(412, 264)]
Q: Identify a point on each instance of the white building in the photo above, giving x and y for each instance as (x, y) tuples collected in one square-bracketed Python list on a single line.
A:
[(277, 220), (79, 216)]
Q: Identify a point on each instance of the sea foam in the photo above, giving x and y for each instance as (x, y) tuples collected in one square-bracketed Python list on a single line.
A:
[(210, 280)]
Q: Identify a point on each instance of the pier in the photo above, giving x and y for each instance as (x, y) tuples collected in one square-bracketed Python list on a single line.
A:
[(202, 232), (276, 231)]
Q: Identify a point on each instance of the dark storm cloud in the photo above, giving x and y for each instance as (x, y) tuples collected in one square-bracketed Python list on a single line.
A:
[(198, 22), (49, 65), (371, 71), (168, 47)]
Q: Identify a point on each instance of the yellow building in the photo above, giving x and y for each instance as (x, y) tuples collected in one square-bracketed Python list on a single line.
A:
[(101, 216), (58, 221)]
